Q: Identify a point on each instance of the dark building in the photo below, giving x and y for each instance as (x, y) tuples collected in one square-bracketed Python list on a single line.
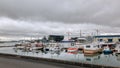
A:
[(55, 38)]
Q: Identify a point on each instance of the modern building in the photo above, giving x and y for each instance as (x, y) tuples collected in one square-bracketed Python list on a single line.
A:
[(107, 38), (55, 38)]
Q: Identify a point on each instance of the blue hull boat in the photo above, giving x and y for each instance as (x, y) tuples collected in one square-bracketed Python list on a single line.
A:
[(107, 52)]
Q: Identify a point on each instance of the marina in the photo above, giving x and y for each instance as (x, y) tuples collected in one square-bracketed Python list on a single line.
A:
[(101, 59), (60, 33)]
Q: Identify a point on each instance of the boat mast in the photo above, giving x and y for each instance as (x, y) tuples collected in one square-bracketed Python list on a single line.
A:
[(97, 31), (68, 35), (80, 33)]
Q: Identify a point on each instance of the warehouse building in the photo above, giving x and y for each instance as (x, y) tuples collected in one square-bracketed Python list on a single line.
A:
[(107, 38)]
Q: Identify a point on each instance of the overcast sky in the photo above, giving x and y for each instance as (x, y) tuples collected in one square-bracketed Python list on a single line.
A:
[(30, 17)]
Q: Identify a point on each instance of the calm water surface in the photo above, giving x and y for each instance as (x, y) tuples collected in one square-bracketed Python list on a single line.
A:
[(98, 59)]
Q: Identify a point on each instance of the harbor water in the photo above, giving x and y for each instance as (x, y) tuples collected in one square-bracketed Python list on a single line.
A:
[(112, 60)]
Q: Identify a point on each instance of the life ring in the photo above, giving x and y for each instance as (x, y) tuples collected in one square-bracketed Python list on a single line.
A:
[(72, 44)]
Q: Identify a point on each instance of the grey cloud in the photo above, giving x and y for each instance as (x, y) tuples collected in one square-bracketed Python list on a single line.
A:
[(104, 12), (24, 29), (43, 17), (13, 27)]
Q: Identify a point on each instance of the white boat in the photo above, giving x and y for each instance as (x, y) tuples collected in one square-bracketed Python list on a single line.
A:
[(53, 47), (117, 49), (21, 45), (79, 45), (92, 48), (36, 46)]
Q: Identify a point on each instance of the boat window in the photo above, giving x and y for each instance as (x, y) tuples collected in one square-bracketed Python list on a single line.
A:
[(100, 40), (110, 40), (88, 59), (119, 40), (98, 46), (88, 46)]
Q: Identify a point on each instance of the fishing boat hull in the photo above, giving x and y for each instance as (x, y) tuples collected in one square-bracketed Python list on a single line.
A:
[(89, 51), (107, 51), (72, 49)]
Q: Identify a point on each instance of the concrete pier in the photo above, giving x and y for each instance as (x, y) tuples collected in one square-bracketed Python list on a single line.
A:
[(47, 61), (20, 63)]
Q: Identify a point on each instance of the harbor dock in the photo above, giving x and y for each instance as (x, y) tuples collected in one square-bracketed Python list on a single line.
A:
[(44, 62)]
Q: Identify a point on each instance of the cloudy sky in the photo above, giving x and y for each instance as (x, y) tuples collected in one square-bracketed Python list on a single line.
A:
[(19, 18)]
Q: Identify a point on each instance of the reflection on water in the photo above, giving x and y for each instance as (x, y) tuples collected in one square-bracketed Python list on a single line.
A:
[(98, 59), (92, 57)]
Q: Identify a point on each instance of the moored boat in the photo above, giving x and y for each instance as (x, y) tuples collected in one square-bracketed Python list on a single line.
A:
[(53, 47), (36, 46), (92, 48), (72, 49), (107, 50)]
